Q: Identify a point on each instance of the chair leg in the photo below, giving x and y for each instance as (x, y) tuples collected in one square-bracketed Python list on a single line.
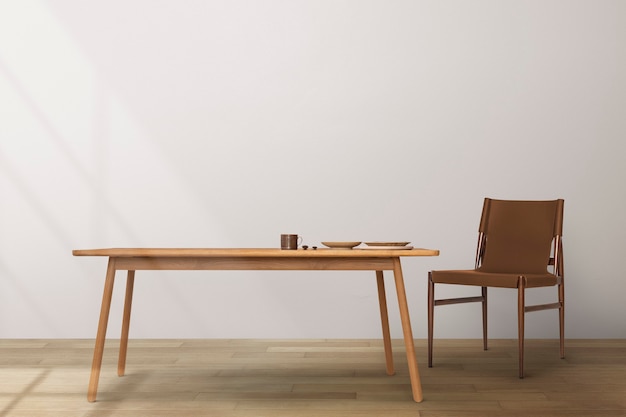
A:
[(521, 303), (562, 319), (484, 303), (431, 313)]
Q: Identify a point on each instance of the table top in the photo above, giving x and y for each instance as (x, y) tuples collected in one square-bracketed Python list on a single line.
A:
[(254, 252)]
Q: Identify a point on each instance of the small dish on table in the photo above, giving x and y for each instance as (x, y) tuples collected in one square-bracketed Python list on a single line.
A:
[(388, 245), (341, 245)]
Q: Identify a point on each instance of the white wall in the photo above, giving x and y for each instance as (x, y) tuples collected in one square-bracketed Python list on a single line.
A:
[(225, 123)]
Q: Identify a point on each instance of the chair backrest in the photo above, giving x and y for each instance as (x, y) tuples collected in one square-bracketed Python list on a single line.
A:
[(518, 235)]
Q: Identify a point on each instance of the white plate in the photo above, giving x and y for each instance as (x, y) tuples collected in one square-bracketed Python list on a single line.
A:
[(341, 245), (388, 247), (387, 243)]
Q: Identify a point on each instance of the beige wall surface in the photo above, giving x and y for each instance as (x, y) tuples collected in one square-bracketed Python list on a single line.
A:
[(226, 123)]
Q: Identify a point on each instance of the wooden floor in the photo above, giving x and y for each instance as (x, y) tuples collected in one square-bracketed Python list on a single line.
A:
[(237, 378)]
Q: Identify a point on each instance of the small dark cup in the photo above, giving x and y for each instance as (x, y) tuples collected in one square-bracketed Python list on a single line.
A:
[(289, 242)]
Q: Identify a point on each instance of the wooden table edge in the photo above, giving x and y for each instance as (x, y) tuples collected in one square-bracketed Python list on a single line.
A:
[(254, 252)]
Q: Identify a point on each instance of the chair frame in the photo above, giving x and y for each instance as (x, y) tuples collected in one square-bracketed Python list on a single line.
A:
[(555, 261)]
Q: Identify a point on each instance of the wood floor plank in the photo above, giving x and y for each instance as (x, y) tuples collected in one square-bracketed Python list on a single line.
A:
[(306, 378)]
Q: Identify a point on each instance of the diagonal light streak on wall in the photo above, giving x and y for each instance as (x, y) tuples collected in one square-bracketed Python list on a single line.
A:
[(91, 180)]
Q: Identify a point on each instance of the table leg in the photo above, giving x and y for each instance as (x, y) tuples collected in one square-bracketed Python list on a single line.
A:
[(384, 318), (414, 375), (96, 364), (128, 301)]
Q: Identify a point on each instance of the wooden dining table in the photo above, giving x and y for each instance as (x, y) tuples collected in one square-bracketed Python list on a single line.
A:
[(150, 259)]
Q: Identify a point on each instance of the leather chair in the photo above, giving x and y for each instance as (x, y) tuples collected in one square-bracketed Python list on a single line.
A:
[(519, 247)]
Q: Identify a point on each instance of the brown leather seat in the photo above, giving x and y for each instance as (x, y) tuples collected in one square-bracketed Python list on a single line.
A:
[(517, 242)]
